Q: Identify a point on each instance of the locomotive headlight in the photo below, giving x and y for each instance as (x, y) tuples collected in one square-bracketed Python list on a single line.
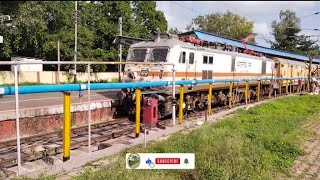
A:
[(144, 73)]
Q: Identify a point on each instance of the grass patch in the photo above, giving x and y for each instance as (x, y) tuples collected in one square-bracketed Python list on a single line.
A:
[(259, 143)]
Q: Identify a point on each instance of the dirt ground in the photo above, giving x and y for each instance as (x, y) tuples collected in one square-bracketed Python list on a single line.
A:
[(308, 166)]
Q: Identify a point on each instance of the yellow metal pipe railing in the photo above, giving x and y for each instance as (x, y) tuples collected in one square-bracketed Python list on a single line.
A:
[(210, 99)]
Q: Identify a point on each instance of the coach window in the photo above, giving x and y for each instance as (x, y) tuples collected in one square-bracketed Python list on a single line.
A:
[(182, 57), (210, 60), (191, 58), (205, 59)]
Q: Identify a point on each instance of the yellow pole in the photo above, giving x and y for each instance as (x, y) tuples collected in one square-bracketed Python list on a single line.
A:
[(258, 93), (294, 84), (280, 87), (246, 92), (209, 99), (287, 87), (181, 104), (230, 95), (138, 109), (66, 126)]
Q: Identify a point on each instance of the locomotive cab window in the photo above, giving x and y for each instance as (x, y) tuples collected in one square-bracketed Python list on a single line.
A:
[(182, 58), (137, 55), (205, 59), (158, 55), (191, 58), (210, 60)]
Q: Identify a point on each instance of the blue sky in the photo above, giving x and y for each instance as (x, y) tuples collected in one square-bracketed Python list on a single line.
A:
[(262, 13)]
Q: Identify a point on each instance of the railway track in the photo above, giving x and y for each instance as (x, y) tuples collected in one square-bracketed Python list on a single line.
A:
[(51, 144)]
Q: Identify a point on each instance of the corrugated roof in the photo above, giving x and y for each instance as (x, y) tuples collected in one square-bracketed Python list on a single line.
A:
[(220, 39)]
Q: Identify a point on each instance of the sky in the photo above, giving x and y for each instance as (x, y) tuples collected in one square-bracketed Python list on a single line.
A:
[(180, 13)]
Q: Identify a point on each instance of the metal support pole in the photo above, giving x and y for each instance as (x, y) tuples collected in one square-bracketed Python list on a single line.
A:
[(173, 96), (210, 99), (181, 104), (287, 87), (66, 126), (120, 49), (75, 39), (230, 95), (16, 93), (258, 93), (59, 62), (138, 108), (304, 85), (294, 85), (89, 109), (246, 92)]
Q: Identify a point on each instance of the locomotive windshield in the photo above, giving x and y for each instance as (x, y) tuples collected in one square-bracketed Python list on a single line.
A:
[(154, 55), (137, 55), (158, 55)]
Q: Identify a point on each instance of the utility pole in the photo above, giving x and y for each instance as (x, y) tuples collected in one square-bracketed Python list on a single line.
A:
[(309, 73), (75, 40), (120, 49), (58, 62)]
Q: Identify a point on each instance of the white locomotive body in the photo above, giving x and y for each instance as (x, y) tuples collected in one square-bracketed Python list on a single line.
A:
[(192, 62)]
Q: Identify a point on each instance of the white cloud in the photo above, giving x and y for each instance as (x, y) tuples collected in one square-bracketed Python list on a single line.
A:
[(262, 28)]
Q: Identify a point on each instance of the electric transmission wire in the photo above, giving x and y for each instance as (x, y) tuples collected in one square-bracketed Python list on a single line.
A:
[(316, 13), (187, 8)]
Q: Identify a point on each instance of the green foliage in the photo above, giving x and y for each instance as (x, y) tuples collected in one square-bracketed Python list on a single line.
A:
[(286, 35), (227, 24), (259, 143), (39, 25), (174, 31)]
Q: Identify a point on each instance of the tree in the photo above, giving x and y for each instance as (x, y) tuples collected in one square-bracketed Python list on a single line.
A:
[(174, 31), (227, 24), (286, 36), (9, 7), (148, 19), (39, 25), (286, 31)]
